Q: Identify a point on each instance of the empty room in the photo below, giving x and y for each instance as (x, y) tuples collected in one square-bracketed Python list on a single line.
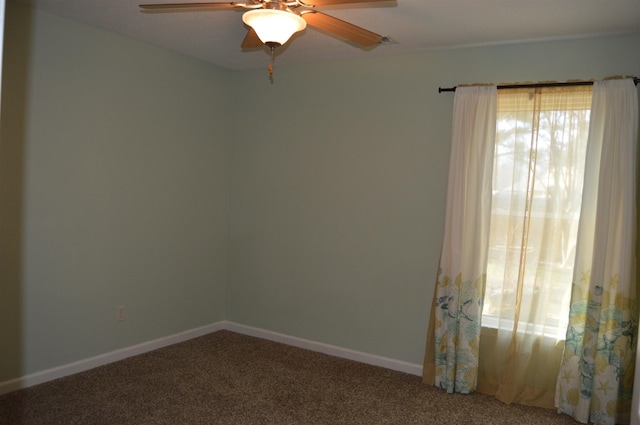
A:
[(407, 212)]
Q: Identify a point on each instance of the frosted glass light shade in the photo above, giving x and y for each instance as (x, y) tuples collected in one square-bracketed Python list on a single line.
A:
[(274, 26)]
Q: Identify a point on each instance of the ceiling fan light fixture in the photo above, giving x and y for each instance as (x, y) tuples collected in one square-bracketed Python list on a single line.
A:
[(274, 26)]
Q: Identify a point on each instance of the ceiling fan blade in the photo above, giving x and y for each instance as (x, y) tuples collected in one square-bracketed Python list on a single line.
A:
[(342, 29), (336, 2), (251, 40), (214, 5)]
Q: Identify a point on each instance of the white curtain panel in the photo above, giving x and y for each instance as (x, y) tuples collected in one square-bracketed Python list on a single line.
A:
[(463, 261), (596, 377)]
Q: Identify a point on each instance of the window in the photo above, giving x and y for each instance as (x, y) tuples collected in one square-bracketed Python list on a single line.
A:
[(537, 192), (527, 201)]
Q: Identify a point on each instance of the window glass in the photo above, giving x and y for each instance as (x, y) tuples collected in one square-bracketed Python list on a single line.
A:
[(537, 192)]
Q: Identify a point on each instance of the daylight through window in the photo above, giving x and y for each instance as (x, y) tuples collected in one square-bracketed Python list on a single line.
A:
[(538, 174)]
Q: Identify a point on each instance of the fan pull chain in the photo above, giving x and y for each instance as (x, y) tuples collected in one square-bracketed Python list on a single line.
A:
[(270, 66)]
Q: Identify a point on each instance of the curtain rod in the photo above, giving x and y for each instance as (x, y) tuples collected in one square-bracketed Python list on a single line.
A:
[(636, 81)]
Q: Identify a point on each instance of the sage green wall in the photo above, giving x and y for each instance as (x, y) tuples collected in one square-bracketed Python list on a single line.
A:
[(338, 190), (114, 192)]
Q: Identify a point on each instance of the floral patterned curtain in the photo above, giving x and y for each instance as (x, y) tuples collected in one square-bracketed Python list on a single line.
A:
[(596, 377), (452, 364)]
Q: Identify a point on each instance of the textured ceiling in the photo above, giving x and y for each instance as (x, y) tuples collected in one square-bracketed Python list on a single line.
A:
[(414, 25)]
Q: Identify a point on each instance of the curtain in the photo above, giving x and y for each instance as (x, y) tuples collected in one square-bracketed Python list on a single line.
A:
[(596, 376), (537, 184), (452, 364)]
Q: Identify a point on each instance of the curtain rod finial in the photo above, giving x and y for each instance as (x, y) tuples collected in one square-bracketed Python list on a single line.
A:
[(446, 89)]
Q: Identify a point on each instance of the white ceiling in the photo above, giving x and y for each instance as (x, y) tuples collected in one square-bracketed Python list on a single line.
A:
[(415, 26)]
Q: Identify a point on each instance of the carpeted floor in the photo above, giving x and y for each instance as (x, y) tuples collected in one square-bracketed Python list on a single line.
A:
[(228, 378)]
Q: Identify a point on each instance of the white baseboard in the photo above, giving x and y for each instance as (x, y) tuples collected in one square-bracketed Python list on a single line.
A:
[(320, 347), (106, 358), (134, 350)]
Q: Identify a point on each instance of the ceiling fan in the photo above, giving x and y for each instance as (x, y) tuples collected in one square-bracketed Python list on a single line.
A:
[(273, 22)]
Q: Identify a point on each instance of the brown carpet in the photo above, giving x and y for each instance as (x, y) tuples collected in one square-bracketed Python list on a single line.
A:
[(228, 378)]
